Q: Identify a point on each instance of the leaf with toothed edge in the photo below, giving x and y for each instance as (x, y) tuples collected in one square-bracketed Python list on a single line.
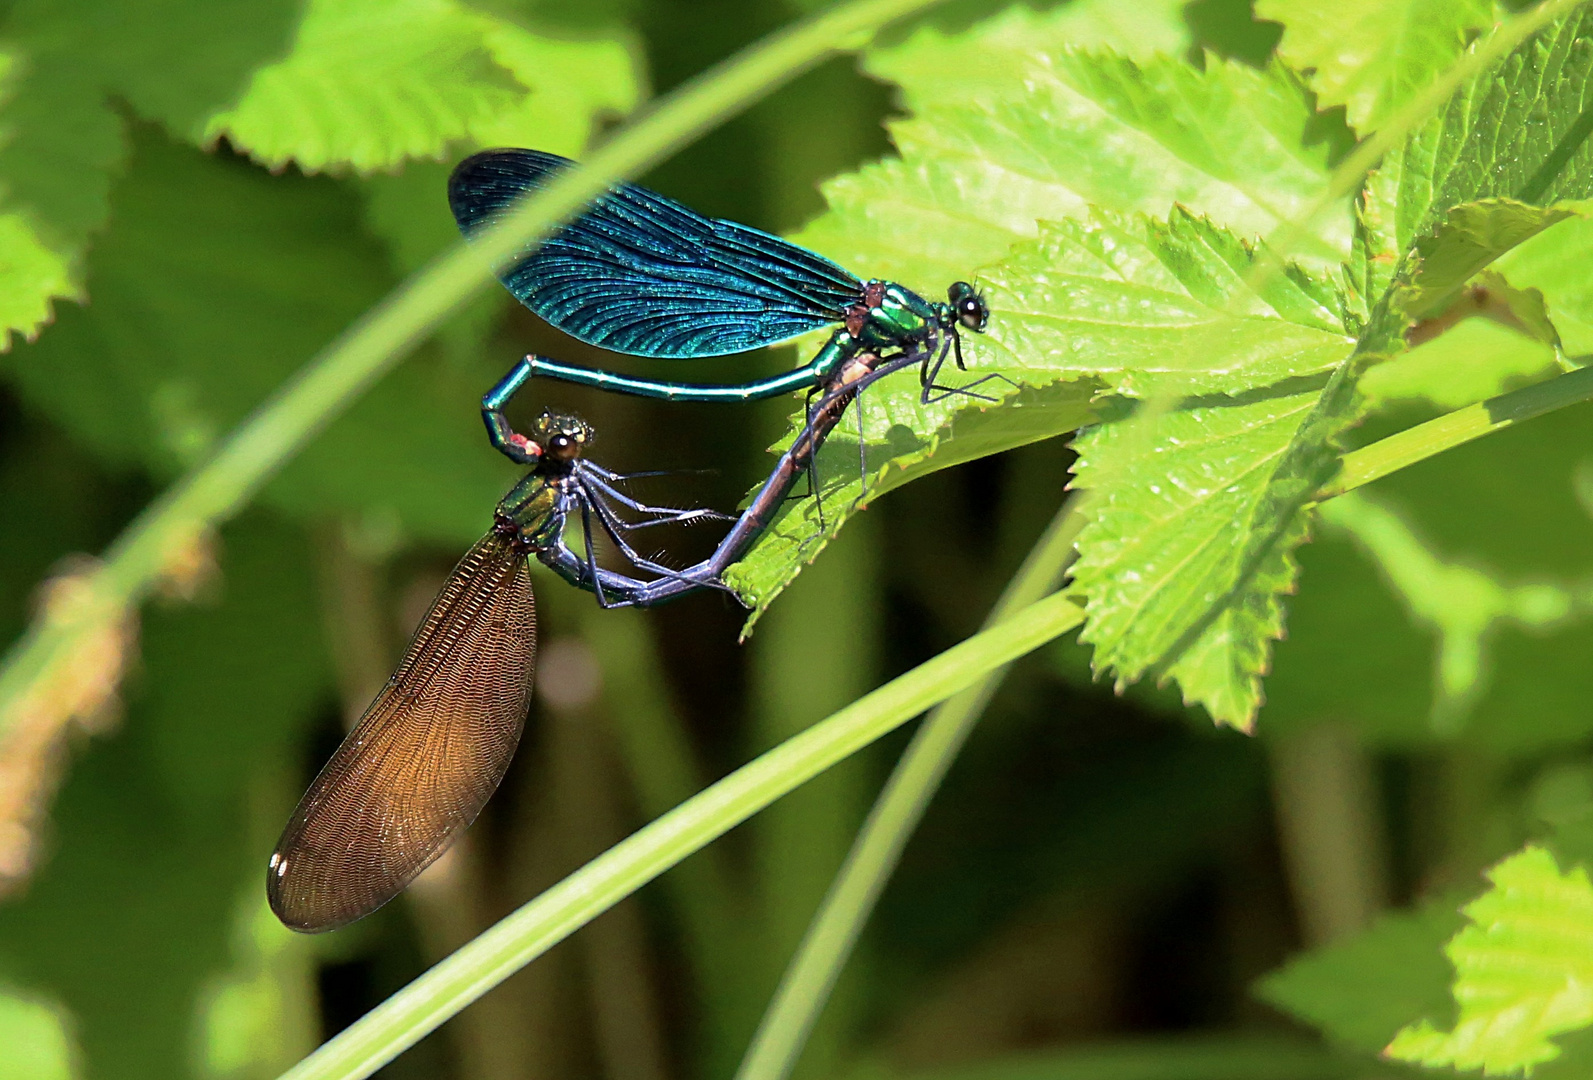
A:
[(1373, 56), (368, 85), (1117, 304), (1517, 130), (1161, 563), (1523, 968)]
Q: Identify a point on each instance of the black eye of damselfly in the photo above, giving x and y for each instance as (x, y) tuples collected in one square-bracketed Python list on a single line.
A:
[(564, 447), (969, 306)]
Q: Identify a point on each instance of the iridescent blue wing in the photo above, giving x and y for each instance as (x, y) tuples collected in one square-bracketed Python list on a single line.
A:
[(641, 274)]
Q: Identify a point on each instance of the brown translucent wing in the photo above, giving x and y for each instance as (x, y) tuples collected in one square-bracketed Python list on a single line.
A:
[(425, 757)]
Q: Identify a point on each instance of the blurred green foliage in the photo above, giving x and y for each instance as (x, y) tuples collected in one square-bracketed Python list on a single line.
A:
[(196, 197)]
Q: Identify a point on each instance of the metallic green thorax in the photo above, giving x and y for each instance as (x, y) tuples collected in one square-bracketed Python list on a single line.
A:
[(890, 316), (532, 507)]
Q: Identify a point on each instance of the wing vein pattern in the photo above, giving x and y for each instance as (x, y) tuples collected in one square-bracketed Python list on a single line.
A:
[(425, 757), (641, 274)]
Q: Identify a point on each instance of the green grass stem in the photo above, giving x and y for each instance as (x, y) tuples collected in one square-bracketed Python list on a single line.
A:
[(1369, 463), (833, 933), (413, 1012)]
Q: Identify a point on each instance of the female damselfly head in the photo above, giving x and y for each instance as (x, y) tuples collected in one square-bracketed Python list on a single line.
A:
[(563, 437), (968, 306)]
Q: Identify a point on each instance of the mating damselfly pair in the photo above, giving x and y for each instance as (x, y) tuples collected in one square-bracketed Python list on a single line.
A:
[(640, 274)]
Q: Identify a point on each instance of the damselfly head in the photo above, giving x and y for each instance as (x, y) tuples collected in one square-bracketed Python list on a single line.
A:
[(563, 437), (968, 306)]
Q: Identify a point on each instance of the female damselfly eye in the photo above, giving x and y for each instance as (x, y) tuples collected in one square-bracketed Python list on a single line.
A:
[(564, 447)]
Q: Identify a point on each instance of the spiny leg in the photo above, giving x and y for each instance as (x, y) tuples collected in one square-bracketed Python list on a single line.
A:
[(612, 525), (663, 515)]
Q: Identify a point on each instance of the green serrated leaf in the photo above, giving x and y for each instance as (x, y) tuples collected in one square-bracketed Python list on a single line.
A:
[(32, 277), (1043, 138), (1472, 236), (204, 305), (1152, 308), (369, 84), (1514, 131), (1027, 131), (1162, 562), (1524, 969), (1373, 56), (1361, 991)]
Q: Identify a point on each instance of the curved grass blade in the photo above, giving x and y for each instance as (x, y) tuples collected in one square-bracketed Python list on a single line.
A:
[(425, 757)]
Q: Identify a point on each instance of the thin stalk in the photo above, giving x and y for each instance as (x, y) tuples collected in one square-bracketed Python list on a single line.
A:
[(413, 1012), (1360, 467), (330, 382), (831, 936)]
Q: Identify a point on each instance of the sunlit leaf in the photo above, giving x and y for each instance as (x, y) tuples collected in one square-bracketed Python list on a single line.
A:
[(1043, 136), (1184, 561), (1373, 56), (1164, 562), (368, 84), (1510, 132), (1120, 304), (1472, 236), (1523, 971), (1020, 136)]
